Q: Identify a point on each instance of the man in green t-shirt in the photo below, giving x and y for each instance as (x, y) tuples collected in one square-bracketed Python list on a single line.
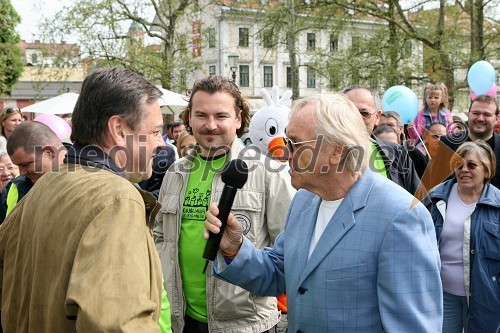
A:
[(216, 114)]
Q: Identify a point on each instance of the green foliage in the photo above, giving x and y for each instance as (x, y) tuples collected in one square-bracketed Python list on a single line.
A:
[(11, 61), (139, 35)]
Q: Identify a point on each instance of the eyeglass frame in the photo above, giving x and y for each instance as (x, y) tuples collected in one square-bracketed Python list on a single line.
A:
[(290, 145), (470, 166), (370, 114)]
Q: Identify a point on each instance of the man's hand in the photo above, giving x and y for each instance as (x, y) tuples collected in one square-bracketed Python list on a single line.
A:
[(232, 238)]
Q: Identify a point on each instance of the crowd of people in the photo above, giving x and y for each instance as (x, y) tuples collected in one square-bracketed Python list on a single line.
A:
[(108, 233)]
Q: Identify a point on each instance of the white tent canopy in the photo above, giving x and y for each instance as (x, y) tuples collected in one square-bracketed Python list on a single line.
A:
[(172, 102), (61, 104), (65, 103)]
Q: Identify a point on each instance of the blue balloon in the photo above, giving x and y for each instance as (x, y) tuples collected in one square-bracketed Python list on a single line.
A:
[(401, 100), (481, 77)]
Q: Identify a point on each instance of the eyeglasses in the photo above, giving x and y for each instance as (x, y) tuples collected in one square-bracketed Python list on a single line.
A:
[(366, 114), (470, 166), (290, 145), (436, 136)]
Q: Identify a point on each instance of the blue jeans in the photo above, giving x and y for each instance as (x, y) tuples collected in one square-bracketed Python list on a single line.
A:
[(455, 310)]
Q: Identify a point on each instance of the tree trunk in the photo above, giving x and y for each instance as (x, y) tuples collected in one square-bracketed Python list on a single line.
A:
[(292, 49), (393, 51)]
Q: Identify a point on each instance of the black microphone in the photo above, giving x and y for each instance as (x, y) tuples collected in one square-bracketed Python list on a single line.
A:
[(234, 177)]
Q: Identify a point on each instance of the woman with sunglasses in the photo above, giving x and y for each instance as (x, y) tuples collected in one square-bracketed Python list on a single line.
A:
[(9, 119), (466, 213)]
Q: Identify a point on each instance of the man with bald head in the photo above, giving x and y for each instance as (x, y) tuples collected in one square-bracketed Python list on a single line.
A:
[(35, 149)]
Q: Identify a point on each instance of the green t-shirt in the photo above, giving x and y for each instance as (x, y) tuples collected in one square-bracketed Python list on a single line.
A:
[(191, 242), (376, 161)]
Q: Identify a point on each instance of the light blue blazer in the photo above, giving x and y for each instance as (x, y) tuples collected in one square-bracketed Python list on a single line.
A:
[(376, 267)]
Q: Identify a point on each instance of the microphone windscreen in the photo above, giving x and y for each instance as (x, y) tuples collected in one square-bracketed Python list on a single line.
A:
[(235, 174)]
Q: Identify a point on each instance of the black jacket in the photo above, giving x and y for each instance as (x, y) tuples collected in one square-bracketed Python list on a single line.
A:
[(163, 159), (398, 165)]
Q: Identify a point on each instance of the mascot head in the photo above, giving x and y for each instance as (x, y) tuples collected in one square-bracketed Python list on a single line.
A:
[(267, 128)]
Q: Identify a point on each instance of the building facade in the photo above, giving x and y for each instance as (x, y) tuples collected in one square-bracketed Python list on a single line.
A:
[(235, 28)]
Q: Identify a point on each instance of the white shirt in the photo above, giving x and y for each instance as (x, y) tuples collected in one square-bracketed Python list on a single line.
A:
[(326, 211)]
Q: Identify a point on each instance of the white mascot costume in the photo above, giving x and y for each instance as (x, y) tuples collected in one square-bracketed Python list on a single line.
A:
[(267, 128)]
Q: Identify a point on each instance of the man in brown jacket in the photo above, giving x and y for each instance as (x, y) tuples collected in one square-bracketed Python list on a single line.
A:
[(77, 253)]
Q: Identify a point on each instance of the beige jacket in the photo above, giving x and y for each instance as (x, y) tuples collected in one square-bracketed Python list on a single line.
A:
[(76, 254), (260, 206)]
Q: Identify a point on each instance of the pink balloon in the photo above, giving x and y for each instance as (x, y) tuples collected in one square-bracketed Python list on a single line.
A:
[(57, 125), (491, 92)]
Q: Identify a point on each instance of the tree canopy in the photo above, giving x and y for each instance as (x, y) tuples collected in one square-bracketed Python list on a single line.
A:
[(11, 57)]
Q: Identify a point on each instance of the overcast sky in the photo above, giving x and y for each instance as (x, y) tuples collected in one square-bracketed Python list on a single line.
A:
[(31, 11)]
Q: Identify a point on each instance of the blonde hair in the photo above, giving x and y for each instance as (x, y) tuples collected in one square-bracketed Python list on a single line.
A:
[(430, 88), (183, 136), (338, 121)]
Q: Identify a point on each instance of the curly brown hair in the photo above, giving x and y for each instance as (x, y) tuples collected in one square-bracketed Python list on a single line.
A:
[(217, 83)]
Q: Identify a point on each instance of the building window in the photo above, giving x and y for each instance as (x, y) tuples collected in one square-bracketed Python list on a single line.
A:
[(311, 78), (289, 77), (243, 37), (211, 70), (211, 37), (268, 76), (34, 58), (311, 40), (334, 43), (244, 76), (267, 38)]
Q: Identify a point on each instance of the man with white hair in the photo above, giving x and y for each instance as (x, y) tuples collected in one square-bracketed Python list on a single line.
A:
[(354, 255)]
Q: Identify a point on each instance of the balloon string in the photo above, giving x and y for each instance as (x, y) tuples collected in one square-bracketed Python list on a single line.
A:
[(423, 144)]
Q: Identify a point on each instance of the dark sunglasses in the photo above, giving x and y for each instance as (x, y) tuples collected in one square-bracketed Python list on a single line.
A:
[(12, 110), (470, 166)]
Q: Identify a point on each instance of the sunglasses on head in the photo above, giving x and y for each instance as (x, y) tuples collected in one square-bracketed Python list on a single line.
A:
[(12, 110)]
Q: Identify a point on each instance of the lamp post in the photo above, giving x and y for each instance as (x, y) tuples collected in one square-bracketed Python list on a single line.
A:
[(233, 64)]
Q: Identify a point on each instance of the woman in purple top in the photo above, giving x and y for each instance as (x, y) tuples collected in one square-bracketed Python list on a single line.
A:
[(466, 213)]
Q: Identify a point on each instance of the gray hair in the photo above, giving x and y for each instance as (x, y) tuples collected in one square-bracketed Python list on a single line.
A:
[(339, 122), (394, 115), (484, 153)]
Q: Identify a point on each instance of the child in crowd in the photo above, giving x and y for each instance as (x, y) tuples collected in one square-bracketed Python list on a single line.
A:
[(435, 110)]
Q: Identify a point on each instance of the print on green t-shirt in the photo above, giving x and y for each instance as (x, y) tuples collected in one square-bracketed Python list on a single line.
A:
[(376, 161), (191, 242)]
